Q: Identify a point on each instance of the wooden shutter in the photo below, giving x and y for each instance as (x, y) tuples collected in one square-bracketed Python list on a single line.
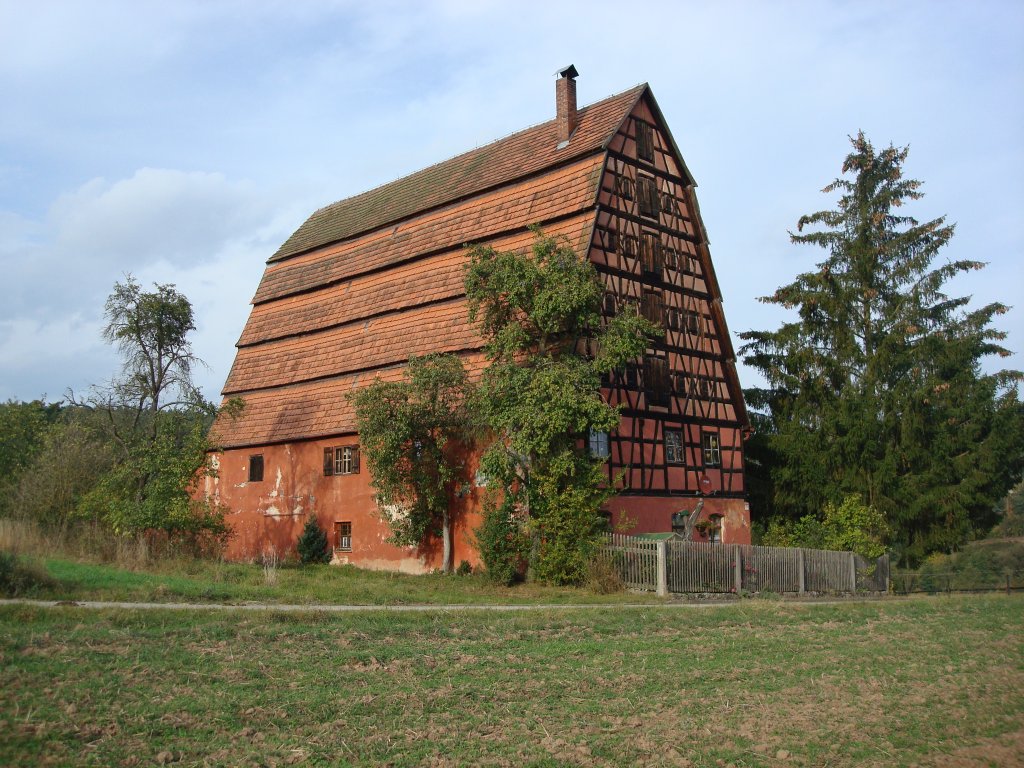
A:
[(355, 459), (328, 462), (644, 142)]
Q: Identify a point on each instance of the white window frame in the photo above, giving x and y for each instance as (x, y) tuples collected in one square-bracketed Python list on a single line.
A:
[(599, 444)]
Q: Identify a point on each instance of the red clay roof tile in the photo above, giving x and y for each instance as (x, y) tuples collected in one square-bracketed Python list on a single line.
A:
[(500, 162)]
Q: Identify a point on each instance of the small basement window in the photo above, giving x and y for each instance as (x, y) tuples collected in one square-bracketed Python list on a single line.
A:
[(256, 468), (343, 537)]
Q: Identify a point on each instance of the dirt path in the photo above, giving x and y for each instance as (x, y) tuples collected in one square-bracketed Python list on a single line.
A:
[(320, 608)]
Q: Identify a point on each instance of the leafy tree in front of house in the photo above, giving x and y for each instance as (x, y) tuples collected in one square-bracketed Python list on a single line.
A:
[(155, 419), (548, 348), (414, 433), (875, 388)]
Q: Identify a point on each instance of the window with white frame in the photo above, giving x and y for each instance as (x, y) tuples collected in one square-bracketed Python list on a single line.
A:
[(343, 536), (712, 449), (598, 444), (343, 460)]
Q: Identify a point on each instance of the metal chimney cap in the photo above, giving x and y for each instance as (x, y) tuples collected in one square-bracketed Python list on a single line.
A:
[(569, 72)]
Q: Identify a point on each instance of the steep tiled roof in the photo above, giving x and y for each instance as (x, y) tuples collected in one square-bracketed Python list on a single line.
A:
[(308, 410), (500, 162), (556, 193), (367, 282), (422, 280)]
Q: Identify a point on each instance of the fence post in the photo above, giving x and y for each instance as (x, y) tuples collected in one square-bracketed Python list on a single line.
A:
[(737, 571), (853, 572), (800, 584), (662, 568)]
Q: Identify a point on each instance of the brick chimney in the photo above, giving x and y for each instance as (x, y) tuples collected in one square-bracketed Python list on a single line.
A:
[(565, 103)]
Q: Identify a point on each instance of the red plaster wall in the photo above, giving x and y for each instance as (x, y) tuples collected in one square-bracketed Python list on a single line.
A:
[(651, 514), (272, 512)]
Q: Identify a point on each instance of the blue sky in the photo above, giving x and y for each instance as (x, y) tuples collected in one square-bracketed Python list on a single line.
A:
[(184, 141)]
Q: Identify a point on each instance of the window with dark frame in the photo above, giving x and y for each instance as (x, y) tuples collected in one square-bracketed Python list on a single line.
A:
[(647, 197), (343, 460), (598, 444), (670, 257), (624, 187), (712, 449), (256, 468), (343, 536), (656, 384), (668, 203), (652, 307), (611, 240), (673, 446), (630, 246), (692, 321), (609, 304), (679, 384), (644, 141), (650, 253)]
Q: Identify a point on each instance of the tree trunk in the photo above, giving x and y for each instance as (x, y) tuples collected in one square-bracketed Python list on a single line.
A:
[(446, 537)]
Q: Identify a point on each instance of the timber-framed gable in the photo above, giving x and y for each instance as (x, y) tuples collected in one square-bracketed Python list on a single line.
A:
[(367, 282)]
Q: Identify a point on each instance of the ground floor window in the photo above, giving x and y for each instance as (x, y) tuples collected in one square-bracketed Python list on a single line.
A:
[(343, 536), (673, 446), (712, 449), (256, 468)]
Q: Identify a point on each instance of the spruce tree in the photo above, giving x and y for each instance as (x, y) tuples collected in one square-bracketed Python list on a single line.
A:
[(312, 544), (876, 387)]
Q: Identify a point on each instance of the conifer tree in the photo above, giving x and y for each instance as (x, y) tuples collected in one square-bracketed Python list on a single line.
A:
[(876, 387), (312, 545)]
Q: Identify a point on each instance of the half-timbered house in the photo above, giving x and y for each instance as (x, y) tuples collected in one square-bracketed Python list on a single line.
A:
[(369, 281)]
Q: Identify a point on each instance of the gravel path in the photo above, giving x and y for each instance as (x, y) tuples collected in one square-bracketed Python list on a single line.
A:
[(320, 608)]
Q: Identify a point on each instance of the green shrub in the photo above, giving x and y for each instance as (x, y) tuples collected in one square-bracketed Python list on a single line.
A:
[(501, 542), (19, 578), (603, 577), (312, 544), (980, 565)]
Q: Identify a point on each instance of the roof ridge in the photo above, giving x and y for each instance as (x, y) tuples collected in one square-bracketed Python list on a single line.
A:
[(306, 237), (477, 148)]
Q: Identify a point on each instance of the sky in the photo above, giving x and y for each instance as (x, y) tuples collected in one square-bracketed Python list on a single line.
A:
[(182, 142)]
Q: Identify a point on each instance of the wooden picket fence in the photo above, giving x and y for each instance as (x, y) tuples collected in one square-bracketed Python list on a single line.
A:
[(703, 568)]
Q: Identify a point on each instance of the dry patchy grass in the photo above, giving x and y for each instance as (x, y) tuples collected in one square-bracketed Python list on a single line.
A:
[(935, 681)]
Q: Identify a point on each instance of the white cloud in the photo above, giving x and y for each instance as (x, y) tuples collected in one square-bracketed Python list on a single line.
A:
[(157, 214), (200, 231)]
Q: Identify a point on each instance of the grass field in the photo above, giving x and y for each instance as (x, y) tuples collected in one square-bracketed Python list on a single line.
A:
[(191, 580), (927, 681)]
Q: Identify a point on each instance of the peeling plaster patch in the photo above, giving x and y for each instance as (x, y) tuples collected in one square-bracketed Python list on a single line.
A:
[(277, 485)]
